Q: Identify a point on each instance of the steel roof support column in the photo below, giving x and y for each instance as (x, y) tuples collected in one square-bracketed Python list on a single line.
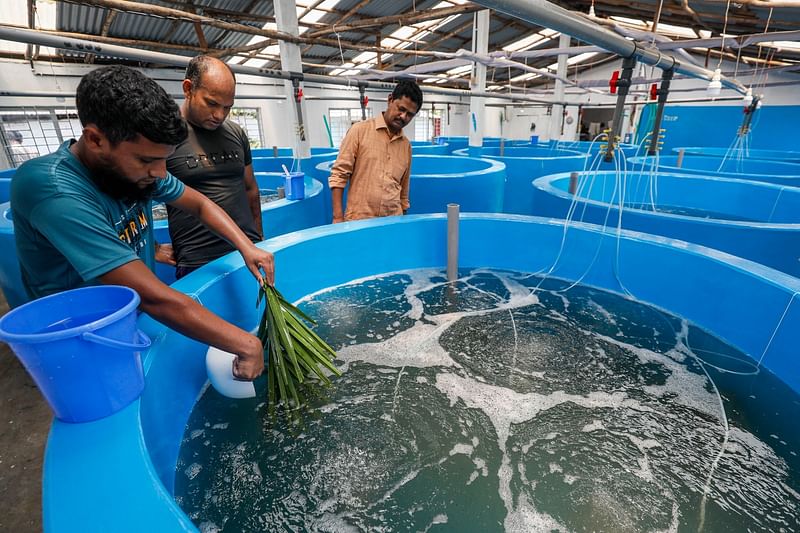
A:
[(477, 104), (557, 116), (286, 18)]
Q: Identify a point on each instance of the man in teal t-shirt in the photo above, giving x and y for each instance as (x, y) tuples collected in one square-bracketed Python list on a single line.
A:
[(86, 232), (82, 214)]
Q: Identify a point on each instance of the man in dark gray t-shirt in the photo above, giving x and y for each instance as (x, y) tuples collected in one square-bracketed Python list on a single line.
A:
[(215, 160)]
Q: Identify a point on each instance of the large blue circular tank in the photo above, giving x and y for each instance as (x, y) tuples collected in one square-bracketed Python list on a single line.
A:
[(475, 184), (280, 151), (461, 142), (738, 153), (595, 147), (779, 172), (523, 164), (118, 473), (757, 221), (5, 184), (429, 148), (10, 277)]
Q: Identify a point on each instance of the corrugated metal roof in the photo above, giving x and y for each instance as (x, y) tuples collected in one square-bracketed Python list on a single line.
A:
[(504, 30), (131, 25)]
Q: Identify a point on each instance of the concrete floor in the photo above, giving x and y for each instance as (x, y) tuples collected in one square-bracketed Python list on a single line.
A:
[(24, 424)]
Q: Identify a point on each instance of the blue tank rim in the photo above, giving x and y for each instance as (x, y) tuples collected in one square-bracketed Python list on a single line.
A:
[(761, 154), (566, 154), (645, 159), (492, 166), (545, 184)]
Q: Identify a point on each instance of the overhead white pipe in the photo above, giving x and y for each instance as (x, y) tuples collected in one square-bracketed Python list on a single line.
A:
[(543, 13), (24, 35)]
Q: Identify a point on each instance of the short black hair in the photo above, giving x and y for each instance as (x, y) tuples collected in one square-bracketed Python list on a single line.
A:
[(14, 135), (410, 89), (124, 103), (199, 65)]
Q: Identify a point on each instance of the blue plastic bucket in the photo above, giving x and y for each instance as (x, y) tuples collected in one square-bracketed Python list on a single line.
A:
[(82, 349), (295, 186)]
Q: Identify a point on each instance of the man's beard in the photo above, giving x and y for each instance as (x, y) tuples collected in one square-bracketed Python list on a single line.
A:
[(111, 182)]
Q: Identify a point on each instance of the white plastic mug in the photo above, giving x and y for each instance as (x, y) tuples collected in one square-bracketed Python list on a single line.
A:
[(219, 366)]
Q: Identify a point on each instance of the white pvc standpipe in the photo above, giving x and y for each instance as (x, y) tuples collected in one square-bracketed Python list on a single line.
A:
[(452, 241), (681, 153)]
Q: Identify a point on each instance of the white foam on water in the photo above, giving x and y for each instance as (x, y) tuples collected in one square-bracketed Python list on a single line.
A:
[(420, 282), (464, 449), (333, 522), (436, 520), (192, 470), (569, 480), (673, 526), (689, 387), (417, 346), (209, 527), (223, 425), (352, 282), (603, 311), (480, 464), (595, 425), (555, 468), (526, 519), (505, 407), (504, 474), (410, 476)]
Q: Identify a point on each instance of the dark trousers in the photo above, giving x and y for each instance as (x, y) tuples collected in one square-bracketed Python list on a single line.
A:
[(181, 271)]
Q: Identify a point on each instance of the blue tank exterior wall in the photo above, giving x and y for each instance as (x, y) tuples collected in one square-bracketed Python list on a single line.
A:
[(772, 238)]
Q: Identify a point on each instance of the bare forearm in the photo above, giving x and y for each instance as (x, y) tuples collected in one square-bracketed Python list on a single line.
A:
[(181, 313), (336, 203), (254, 200)]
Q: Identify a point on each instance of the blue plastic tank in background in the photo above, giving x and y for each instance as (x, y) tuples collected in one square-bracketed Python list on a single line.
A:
[(429, 148), (523, 165), (475, 184), (5, 184), (779, 172), (788, 156), (757, 221)]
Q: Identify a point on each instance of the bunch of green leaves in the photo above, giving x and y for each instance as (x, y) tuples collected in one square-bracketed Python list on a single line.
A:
[(295, 354)]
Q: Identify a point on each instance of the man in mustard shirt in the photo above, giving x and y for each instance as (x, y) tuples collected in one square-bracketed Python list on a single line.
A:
[(375, 159)]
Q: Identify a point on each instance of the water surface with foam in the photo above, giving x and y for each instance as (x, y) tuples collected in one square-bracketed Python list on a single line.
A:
[(503, 402)]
